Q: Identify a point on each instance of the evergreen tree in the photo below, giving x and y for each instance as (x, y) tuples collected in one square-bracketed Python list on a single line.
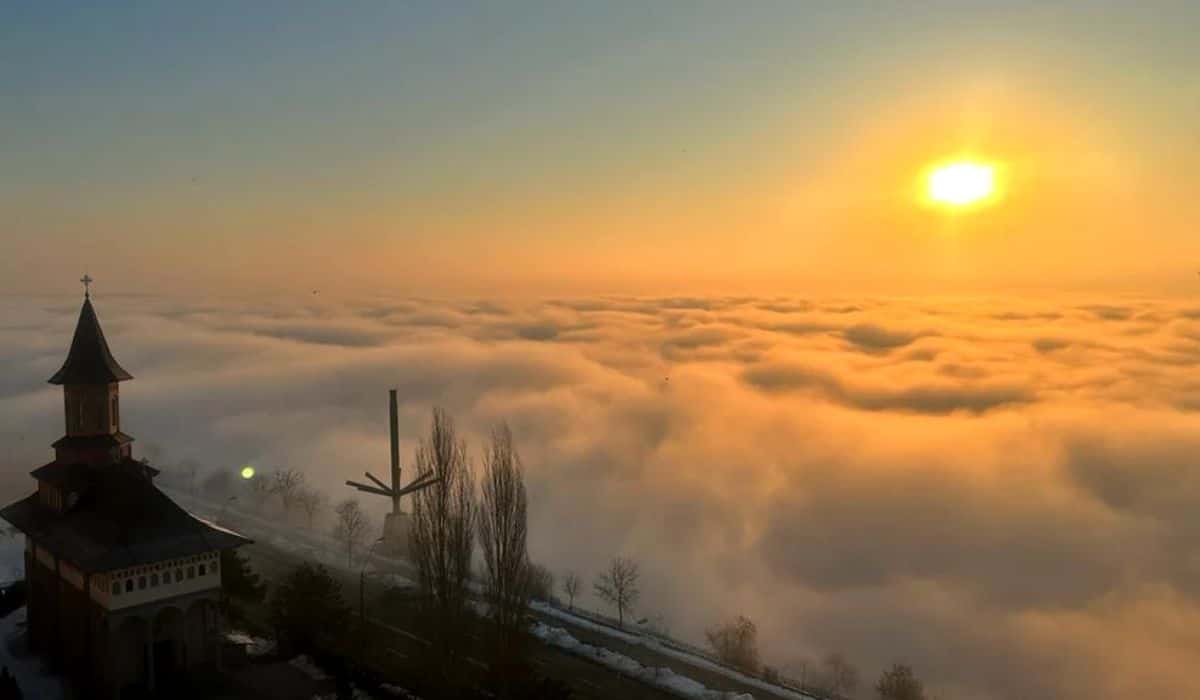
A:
[(238, 580), (307, 607)]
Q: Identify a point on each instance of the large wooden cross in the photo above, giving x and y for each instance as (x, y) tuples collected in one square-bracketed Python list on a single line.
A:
[(395, 491)]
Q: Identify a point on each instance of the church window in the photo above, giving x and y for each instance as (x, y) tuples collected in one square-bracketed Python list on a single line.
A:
[(153, 579), (191, 572), (141, 583), (116, 588), (201, 569), (128, 585)]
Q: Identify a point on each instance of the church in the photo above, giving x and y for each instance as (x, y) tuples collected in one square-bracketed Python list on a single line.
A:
[(124, 585)]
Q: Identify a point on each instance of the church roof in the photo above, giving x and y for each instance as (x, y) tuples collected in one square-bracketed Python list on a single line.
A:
[(89, 360), (121, 519), (92, 441)]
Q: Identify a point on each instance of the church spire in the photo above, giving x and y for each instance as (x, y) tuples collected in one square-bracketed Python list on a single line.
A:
[(89, 360)]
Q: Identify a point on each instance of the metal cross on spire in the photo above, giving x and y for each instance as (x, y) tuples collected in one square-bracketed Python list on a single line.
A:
[(87, 285)]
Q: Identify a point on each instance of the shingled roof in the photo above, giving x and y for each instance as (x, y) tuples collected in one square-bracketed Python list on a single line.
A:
[(121, 520), (89, 361)]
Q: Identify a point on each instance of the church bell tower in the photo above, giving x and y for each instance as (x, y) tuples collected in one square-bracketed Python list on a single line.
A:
[(90, 379)]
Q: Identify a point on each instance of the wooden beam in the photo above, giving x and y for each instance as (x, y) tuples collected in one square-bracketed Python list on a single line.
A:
[(419, 484), (379, 483), (369, 489)]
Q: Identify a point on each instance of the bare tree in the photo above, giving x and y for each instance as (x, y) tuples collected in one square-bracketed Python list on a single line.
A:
[(838, 677), (261, 489), (541, 582), (352, 526), (503, 529), (619, 585), (899, 683), (287, 483), (311, 501), (571, 583), (441, 538), (802, 670), (736, 643)]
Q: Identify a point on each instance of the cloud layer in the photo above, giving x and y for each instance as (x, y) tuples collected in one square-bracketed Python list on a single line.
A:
[(1001, 493)]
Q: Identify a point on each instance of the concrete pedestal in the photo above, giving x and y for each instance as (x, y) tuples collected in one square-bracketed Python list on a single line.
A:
[(395, 534)]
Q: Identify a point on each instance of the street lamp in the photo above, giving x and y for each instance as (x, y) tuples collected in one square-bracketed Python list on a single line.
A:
[(362, 580), (221, 513)]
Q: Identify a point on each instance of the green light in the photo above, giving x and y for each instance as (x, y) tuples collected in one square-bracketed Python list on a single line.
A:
[(247, 472)]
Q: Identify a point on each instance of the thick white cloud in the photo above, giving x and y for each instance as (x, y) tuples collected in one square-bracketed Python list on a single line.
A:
[(1001, 493)]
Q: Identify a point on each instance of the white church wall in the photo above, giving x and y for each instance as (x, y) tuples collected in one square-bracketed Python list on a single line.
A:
[(153, 582)]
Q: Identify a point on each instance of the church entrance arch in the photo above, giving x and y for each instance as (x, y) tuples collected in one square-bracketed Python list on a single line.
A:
[(168, 646), (130, 656)]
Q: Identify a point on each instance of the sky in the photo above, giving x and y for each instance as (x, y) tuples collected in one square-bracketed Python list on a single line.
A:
[(661, 148), (684, 250)]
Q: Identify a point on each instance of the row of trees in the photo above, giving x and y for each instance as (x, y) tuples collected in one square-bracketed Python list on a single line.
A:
[(736, 643), (352, 524), (617, 585), (291, 489)]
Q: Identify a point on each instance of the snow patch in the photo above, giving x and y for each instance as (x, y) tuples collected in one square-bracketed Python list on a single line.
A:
[(397, 691), (305, 665), (663, 678), (651, 643), (396, 581), (255, 646), (33, 680)]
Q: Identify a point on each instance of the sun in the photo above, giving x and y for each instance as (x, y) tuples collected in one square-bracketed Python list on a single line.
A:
[(961, 183)]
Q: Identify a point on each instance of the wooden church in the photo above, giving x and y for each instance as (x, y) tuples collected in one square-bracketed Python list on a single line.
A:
[(124, 584)]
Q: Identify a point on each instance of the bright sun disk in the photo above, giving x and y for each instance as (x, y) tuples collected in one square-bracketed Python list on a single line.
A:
[(960, 184)]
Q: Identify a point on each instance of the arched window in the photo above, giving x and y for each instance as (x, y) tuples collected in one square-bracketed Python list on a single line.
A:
[(116, 588), (201, 569), (141, 582), (191, 572), (178, 575), (153, 579), (128, 585)]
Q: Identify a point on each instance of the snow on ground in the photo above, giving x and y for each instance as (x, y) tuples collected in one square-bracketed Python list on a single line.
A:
[(658, 646), (581, 621), (255, 646), (12, 556), (355, 694), (304, 664), (398, 692), (26, 667), (396, 581), (310, 669), (663, 678)]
